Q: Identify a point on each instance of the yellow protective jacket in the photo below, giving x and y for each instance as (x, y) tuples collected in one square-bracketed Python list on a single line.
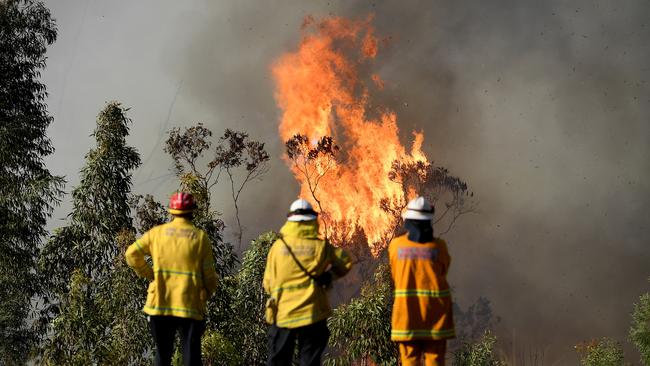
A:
[(298, 299), (183, 275), (422, 305)]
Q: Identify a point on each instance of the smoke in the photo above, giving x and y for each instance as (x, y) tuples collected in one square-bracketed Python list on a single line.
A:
[(541, 106)]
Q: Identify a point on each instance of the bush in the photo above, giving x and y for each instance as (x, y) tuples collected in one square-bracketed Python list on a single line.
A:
[(236, 314), (217, 350), (604, 352), (249, 302), (480, 353), (360, 330), (640, 329)]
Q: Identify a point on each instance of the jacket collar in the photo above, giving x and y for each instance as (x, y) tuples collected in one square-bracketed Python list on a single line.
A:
[(181, 220), (419, 231), (300, 229)]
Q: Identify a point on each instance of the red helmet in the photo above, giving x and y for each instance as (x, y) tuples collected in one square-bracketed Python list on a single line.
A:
[(181, 203)]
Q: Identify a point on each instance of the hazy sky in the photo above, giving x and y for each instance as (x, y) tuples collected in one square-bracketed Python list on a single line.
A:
[(541, 106)]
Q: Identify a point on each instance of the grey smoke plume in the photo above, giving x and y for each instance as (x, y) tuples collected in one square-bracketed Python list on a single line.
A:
[(542, 106)]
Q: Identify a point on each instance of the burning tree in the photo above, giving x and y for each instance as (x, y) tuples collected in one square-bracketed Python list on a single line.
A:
[(345, 152), (313, 161), (349, 159), (323, 100)]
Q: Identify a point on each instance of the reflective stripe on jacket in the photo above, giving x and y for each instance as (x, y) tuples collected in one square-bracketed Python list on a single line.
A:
[(422, 305), (299, 300), (183, 275)]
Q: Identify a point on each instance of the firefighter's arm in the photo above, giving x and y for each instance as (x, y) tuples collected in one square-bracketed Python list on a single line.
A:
[(340, 260), (210, 277), (135, 257)]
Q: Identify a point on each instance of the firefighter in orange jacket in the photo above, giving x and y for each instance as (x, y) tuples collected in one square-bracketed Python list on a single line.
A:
[(422, 316), (183, 277)]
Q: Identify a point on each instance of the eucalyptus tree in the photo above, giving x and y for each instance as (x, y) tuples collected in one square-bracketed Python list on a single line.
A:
[(81, 260), (28, 191)]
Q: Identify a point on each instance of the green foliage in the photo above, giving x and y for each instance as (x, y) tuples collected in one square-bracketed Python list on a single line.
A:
[(94, 313), (121, 299), (100, 208), (148, 212), (250, 300), (93, 300), (480, 353), (78, 325), (360, 330), (640, 328), (218, 350), (239, 309), (603, 352), (28, 190)]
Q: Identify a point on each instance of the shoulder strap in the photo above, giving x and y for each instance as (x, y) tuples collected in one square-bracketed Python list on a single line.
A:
[(297, 261)]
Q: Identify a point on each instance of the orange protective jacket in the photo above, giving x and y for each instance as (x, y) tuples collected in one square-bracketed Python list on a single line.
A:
[(422, 305)]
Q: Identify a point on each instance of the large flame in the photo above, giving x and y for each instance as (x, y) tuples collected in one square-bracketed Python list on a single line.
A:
[(323, 90)]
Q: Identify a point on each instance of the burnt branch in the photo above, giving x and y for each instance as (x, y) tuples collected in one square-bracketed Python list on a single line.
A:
[(242, 159), (436, 184), (313, 160), (236, 151)]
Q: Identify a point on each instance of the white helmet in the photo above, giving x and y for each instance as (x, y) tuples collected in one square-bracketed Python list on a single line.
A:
[(301, 210), (419, 209)]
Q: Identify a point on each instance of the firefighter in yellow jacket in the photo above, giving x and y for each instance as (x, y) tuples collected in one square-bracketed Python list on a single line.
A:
[(299, 269), (422, 316), (183, 277)]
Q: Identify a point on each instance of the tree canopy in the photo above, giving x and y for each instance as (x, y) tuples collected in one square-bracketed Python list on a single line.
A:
[(87, 284), (28, 191)]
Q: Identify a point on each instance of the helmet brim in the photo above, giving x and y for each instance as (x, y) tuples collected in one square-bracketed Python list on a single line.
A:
[(297, 218), (174, 211), (416, 215)]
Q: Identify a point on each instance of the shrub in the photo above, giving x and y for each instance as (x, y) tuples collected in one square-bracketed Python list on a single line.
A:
[(480, 353), (640, 329), (360, 330), (217, 350), (604, 352)]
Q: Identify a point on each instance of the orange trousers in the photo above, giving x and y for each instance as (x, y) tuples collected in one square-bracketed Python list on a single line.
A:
[(431, 352)]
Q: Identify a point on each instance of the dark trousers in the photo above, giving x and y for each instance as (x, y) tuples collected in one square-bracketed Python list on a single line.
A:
[(163, 329), (312, 340)]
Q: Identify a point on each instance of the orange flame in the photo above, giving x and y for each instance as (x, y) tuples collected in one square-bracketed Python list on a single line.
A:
[(322, 91)]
